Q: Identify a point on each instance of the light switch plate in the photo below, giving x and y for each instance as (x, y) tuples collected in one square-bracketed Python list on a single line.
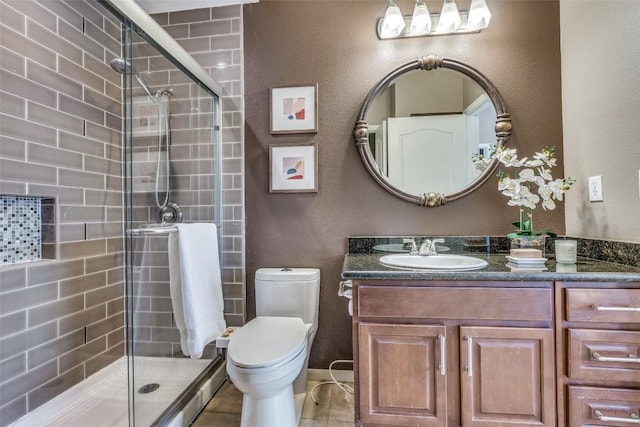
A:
[(595, 188)]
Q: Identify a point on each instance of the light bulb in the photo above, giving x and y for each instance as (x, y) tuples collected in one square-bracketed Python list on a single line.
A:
[(479, 15), (421, 20), (393, 21), (449, 17)]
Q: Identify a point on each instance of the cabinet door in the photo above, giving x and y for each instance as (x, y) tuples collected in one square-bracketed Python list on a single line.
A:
[(402, 372), (507, 377)]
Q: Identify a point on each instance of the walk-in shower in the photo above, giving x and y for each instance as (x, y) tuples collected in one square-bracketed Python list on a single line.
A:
[(127, 367)]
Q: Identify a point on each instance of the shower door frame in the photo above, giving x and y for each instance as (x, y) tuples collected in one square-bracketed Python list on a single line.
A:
[(135, 20)]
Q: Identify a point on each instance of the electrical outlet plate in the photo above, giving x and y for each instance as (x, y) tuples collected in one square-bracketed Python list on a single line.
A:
[(595, 188)]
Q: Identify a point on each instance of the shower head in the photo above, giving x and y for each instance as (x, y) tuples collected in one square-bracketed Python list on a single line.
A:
[(123, 66), (126, 68)]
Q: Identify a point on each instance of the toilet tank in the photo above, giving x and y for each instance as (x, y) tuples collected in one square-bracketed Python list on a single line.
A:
[(288, 292)]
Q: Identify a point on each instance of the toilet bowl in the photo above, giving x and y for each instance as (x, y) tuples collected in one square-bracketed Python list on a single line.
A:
[(263, 360), (267, 358)]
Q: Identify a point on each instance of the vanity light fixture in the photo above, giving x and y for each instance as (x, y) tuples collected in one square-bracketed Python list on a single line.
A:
[(422, 23)]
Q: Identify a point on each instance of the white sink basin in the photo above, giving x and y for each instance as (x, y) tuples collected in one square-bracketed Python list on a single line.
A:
[(434, 262)]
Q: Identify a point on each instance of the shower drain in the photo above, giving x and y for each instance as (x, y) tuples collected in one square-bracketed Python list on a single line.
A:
[(149, 388)]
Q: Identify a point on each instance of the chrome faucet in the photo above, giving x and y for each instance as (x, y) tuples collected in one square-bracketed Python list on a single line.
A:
[(427, 247)]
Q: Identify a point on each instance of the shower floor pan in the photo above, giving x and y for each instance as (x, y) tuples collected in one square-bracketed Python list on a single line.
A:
[(101, 399)]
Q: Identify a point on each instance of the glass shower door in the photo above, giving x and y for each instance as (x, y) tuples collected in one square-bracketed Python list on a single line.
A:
[(172, 170)]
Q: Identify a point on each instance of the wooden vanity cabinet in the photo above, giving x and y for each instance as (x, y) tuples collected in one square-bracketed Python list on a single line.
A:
[(470, 354), (598, 353)]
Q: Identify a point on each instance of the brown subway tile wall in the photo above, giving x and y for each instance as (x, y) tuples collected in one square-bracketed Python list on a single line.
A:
[(61, 138), (222, 27)]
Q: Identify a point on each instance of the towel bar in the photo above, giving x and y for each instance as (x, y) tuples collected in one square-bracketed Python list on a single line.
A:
[(152, 230), (156, 230)]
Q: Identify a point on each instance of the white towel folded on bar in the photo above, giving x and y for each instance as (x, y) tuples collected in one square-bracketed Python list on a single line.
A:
[(196, 286)]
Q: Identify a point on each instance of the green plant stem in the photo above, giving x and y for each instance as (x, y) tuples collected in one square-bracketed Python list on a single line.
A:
[(522, 223)]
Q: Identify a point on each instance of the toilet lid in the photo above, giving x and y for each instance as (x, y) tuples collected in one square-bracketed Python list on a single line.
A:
[(267, 341)]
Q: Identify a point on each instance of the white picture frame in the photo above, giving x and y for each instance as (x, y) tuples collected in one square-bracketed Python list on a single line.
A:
[(293, 168), (294, 109)]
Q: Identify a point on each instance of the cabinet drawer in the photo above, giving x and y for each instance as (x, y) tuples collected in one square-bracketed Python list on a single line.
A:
[(603, 305), (590, 406), (526, 304), (604, 355)]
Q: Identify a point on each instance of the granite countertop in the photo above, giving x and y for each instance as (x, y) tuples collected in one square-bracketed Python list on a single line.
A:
[(362, 262)]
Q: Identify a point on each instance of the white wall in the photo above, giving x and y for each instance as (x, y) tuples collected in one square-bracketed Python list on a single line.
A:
[(600, 45)]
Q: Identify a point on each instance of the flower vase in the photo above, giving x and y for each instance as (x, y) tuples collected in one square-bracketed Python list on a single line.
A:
[(529, 242)]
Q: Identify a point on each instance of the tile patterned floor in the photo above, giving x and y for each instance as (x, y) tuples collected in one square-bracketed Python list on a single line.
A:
[(334, 409)]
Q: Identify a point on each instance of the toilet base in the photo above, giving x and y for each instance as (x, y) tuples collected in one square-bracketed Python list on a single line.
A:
[(274, 411), (298, 399)]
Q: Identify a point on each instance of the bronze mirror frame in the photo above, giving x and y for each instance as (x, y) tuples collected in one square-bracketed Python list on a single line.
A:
[(427, 63)]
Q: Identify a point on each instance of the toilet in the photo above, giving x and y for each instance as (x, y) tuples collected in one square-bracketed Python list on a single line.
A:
[(268, 357)]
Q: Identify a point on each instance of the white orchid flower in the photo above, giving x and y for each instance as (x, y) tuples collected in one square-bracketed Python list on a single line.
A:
[(534, 163), (546, 193), (548, 205), (545, 173), (531, 199), (509, 157), (480, 163), (527, 175), (546, 156), (510, 188), (520, 195), (557, 187)]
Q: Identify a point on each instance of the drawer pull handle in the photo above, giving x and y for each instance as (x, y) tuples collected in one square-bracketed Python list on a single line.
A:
[(469, 367), (633, 420), (605, 308), (443, 355), (632, 358)]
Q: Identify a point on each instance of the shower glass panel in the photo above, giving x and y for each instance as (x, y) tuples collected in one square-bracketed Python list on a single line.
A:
[(172, 174)]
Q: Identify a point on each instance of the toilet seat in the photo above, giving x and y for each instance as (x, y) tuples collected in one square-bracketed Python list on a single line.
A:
[(267, 342)]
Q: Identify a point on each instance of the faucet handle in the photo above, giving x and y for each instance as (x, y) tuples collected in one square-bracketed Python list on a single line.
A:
[(434, 249), (411, 241), (428, 246)]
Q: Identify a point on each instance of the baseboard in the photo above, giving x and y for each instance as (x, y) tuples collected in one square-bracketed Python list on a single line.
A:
[(345, 376)]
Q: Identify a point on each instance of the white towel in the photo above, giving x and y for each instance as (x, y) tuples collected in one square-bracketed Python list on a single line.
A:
[(196, 286)]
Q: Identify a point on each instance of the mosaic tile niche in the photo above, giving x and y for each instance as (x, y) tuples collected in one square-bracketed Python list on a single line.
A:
[(27, 231)]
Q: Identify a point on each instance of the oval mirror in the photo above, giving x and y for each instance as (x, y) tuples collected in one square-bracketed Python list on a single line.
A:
[(420, 127)]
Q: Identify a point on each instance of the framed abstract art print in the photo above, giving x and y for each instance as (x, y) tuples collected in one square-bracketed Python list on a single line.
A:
[(294, 109), (293, 168)]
